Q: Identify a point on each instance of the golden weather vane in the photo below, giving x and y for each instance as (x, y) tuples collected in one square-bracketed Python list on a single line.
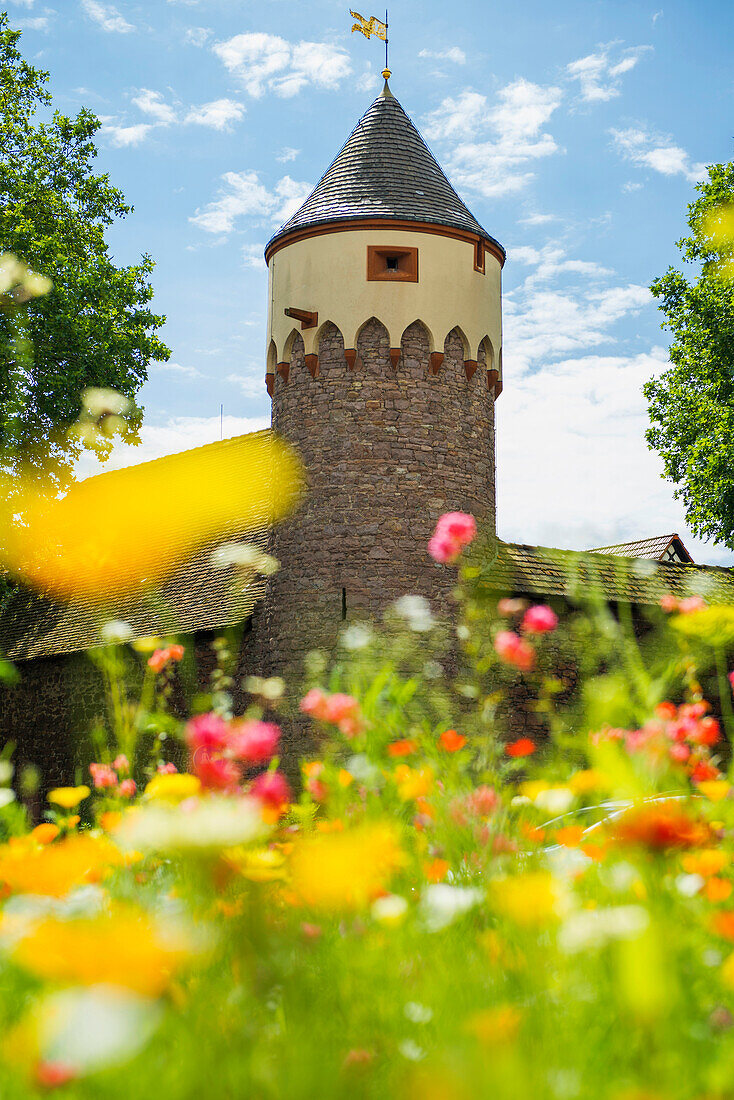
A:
[(371, 26)]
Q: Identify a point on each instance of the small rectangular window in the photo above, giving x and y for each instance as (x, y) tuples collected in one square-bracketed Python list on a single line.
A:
[(392, 264), (344, 603)]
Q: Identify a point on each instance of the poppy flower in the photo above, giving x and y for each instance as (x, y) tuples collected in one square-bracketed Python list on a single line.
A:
[(522, 747), (452, 741)]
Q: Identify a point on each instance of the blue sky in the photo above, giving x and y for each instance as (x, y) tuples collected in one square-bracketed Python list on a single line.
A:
[(575, 132)]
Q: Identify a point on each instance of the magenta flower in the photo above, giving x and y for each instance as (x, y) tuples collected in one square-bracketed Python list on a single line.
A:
[(254, 742), (454, 531), (539, 620), (272, 789), (208, 732)]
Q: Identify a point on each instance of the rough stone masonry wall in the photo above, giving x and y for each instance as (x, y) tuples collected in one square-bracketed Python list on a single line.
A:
[(387, 451)]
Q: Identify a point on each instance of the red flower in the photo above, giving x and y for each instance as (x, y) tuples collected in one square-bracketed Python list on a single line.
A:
[(667, 711), (128, 787), (51, 1075), (660, 826), (401, 748), (704, 771), (523, 747), (215, 773), (272, 789), (452, 741), (514, 650), (454, 531)]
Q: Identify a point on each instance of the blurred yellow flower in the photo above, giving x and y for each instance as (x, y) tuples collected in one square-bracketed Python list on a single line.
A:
[(123, 948), (584, 781), (345, 870), (714, 789), (57, 868), (532, 899), (496, 1026), (173, 788), (68, 797), (533, 787), (132, 527), (258, 864), (413, 783)]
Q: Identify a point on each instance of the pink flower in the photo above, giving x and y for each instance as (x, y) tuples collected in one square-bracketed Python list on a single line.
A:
[(120, 763), (679, 753), (254, 742), (691, 604), (272, 789), (215, 773), (158, 660), (340, 706), (539, 620), (128, 787), (669, 604), (508, 607), (314, 703), (103, 775), (731, 680), (514, 650), (454, 531), (52, 1075), (208, 732), (167, 769)]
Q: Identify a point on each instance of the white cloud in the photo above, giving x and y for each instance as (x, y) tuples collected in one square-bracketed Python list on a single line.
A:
[(543, 323), (550, 261), (197, 36), (287, 154), (654, 151), (34, 23), (253, 255), (250, 385), (452, 53), (656, 16), (123, 136), (538, 219), (629, 187), (177, 368), (23, 3), (497, 166), (598, 75), (153, 104), (180, 433), (266, 62), (107, 17), (244, 195), (219, 114), (367, 82)]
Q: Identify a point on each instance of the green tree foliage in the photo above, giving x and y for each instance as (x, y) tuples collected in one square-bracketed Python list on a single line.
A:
[(691, 405), (94, 329)]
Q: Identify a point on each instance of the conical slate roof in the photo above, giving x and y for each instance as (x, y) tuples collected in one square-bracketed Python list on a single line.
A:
[(383, 170)]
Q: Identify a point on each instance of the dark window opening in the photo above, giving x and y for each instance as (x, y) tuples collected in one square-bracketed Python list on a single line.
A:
[(392, 263), (344, 603)]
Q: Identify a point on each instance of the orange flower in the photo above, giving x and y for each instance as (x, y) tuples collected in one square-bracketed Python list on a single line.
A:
[(452, 741), (45, 833), (570, 836), (57, 868), (413, 782), (723, 923), (522, 747), (436, 870), (401, 748), (717, 889), (531, 833), (661, 826), (707, 862)]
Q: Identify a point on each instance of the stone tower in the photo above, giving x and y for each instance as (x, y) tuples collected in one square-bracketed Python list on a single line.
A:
[(384, 362)]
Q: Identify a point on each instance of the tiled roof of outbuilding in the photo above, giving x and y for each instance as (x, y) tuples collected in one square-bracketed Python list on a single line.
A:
[(541, 571), (647, 548), (384, 170)]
